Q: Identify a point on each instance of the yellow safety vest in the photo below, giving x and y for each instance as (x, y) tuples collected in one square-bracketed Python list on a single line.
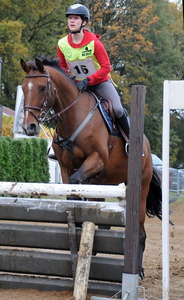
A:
[(81, 62)]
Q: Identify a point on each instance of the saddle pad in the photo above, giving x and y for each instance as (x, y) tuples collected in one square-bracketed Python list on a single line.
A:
[(108, 119)]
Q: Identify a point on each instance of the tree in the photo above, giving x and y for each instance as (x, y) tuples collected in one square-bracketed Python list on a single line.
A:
[(165, 64), (177, 125), (123, 25), (31, 30), (11, 48)]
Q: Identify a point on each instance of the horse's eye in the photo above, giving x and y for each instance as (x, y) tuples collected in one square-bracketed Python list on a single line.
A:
[(42, 89)]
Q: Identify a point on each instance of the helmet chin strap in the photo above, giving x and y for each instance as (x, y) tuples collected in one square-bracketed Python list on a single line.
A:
[(79, 30)]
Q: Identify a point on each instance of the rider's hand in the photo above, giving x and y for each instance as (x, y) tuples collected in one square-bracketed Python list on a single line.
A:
[(83, 84)]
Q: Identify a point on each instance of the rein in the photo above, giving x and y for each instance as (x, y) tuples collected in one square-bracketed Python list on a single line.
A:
[(62, 111)]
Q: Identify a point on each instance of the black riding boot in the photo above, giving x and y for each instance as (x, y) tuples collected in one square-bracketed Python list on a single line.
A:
[(124, 124)]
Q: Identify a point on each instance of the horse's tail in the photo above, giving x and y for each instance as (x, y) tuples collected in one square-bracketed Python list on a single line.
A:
[(154, 198)]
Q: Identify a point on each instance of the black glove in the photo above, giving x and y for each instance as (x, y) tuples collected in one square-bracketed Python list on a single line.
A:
[(83, 84)]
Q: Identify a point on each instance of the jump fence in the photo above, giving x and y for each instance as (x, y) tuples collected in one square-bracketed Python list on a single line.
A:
[(40, 238)]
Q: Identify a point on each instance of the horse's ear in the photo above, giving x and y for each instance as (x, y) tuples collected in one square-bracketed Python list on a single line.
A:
[(39, 65), (25, 67)]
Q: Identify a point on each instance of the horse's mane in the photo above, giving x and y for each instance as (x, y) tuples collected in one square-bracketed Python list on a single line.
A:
[(47, 61)]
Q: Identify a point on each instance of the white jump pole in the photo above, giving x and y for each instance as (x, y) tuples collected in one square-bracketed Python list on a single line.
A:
[(46, 189)]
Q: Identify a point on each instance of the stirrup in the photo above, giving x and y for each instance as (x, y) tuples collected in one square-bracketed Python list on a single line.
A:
[(127, 149)]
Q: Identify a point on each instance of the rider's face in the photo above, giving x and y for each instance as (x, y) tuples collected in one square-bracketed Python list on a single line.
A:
[(74, 22)]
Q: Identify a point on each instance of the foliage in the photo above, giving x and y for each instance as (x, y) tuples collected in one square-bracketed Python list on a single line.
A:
[(177, 125), (29, 175), (166, 64), (11, 49), (31, 152), (8, 123), (46, 132), (44, 172), (7, 126), (18, 160), (18, 153), (6, 168), (31, 30), (125, 41), (37, 156)]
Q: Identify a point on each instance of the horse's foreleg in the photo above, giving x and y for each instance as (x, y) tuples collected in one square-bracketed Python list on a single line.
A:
[(91, 166), (64, 175)]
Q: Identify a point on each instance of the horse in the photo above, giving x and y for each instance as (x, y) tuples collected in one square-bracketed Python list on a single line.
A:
[(85, 149)]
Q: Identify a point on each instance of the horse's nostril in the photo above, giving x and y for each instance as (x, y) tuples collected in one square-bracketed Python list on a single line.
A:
[(32, 129)]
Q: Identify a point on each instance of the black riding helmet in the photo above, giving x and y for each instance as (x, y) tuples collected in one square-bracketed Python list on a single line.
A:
[(78, 10)]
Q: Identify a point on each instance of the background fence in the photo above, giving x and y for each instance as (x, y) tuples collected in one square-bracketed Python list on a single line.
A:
[(176, 179)]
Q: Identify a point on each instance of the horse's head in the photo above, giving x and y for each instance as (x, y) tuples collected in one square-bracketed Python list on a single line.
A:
[(39, 95)]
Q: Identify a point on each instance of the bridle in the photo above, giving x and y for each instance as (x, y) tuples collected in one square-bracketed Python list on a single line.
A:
[(43, 114), (42, 118)]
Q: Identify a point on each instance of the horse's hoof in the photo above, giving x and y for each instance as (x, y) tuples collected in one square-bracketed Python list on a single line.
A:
[(141, 274), (73, 181)]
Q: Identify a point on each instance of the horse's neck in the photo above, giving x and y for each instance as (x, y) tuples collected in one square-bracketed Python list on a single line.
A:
[(66, 105), (66, 93)]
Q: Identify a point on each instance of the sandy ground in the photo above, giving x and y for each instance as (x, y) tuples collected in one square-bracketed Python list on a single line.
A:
[(152, 263), (153, 252)]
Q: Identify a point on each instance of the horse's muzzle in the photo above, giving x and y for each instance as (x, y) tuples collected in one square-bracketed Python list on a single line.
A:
[(31, 129)]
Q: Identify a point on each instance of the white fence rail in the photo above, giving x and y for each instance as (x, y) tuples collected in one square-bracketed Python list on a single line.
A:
[(46, 189)]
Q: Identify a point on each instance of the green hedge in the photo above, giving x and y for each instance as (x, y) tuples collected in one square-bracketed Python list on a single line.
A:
[(24, 160)]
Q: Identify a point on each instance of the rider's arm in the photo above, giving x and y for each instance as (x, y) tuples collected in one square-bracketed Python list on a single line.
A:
[(62, 61), (103, 59)]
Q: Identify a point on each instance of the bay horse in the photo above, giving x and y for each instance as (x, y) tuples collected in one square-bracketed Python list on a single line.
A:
[(82, 144)]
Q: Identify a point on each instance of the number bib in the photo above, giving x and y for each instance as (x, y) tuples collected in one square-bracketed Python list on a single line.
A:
[(81, 69)]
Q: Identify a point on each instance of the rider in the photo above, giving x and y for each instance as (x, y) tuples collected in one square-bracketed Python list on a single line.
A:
[(82, 54)]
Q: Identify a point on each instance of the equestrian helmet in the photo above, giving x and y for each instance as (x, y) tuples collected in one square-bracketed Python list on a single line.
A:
[(78, 10)]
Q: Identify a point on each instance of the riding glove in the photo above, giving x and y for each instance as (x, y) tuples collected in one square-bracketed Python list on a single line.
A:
[(83, 84)]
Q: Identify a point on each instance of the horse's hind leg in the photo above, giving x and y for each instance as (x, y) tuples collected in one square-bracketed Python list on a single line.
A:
[(142, 242)]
